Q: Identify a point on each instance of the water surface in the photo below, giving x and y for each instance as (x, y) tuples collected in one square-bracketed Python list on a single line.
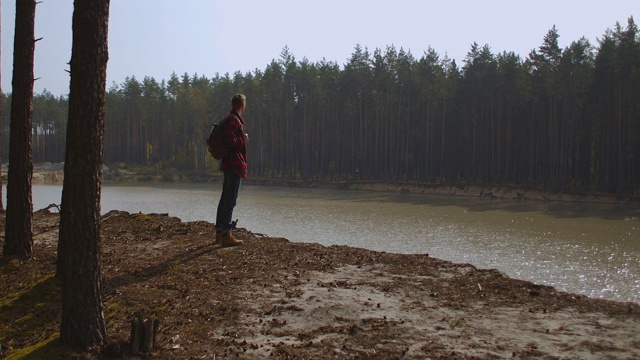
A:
[(590, 249)]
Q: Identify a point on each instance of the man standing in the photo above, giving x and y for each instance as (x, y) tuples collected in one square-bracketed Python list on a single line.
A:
[(234, 168)]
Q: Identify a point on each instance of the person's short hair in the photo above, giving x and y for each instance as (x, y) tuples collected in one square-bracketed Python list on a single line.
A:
[(237, 101)]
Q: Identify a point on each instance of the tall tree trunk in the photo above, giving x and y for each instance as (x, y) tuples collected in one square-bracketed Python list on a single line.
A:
[(19, 237), (1, 197), (79, 240)]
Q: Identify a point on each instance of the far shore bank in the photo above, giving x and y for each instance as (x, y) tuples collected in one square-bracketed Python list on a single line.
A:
[(50, 173)]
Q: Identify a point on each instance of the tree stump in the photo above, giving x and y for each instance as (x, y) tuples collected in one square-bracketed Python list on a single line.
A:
[(143, 334)]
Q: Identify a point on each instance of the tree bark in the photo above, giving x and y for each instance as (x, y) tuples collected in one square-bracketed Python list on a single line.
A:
[(19, 237), (1, 197), (79, 240)]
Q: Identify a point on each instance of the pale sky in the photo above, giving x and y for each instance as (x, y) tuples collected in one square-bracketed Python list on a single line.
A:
[(158, 37)]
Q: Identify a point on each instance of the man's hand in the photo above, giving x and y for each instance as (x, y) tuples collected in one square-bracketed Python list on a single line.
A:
[(246, 138)]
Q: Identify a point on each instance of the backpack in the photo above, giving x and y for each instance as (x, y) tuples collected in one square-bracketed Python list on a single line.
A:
[(215, 141)]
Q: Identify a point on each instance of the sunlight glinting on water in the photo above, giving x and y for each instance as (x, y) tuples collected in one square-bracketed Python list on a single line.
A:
[(589, 249)]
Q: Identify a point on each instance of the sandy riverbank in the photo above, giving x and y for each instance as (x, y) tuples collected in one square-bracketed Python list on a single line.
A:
[(273, 298)]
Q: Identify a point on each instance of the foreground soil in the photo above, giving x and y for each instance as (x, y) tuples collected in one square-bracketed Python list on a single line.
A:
[(278, 299)]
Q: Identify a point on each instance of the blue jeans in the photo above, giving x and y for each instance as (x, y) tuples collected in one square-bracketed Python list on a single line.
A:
[(230, 189)]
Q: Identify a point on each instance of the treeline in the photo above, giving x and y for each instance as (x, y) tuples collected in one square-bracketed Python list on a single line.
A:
[(560, 119)]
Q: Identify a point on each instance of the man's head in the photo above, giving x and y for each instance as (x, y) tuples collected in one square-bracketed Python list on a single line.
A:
[(239, 103)]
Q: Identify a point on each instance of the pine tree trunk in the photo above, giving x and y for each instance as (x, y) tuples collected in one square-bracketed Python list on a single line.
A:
[(19, 237), (79, 239), (1, 197)]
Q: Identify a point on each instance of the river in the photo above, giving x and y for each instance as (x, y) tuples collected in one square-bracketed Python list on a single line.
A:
[(588, 249)]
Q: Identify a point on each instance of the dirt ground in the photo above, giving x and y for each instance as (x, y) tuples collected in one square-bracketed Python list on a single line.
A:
[(271, 298)]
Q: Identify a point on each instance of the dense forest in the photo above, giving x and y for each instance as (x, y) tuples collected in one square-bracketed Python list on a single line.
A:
[(559, 119)]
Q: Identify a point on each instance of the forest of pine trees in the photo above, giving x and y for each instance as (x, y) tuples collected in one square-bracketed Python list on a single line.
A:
[(559, 119)]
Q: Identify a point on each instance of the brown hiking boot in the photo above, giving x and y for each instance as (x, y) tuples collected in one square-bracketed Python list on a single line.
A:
[(228, 240)]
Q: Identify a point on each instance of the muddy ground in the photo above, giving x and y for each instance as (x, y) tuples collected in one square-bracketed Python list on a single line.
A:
[(284, 300)]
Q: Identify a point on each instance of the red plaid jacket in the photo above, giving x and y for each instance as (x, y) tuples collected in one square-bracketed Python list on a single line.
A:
[(236, 160)]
